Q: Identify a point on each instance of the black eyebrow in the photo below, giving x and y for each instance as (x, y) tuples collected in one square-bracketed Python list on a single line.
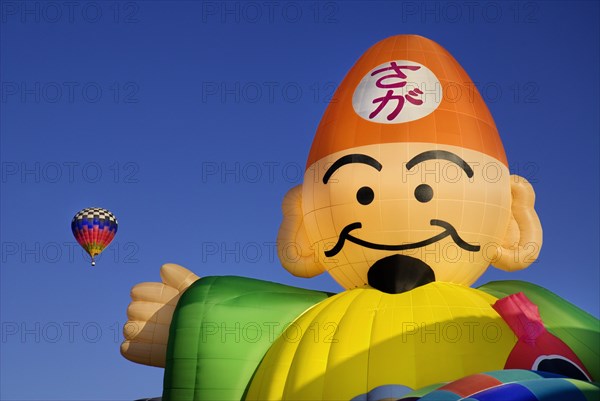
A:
[(440, 154), (353, 158)]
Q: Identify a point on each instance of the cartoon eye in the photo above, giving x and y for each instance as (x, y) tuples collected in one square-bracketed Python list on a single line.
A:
[(560, 365), (365, 195), (423, 193)]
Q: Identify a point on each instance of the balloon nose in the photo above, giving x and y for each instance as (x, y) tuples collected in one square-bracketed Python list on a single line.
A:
[(399, 273)]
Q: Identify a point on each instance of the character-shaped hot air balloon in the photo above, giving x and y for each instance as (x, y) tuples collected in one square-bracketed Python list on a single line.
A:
[(407, 199), (94, 228)]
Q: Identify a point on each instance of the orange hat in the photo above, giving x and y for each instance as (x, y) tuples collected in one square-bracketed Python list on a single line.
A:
[(406, 88)]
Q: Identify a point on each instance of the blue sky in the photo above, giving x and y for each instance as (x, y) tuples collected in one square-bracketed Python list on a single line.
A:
[(190, 121)]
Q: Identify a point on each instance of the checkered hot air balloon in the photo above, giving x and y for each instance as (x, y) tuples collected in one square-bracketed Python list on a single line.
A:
[(94, 228)]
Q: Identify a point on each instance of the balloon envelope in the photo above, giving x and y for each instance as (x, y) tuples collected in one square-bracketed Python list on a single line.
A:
[(364, 339), (511, 384), (94, 228)]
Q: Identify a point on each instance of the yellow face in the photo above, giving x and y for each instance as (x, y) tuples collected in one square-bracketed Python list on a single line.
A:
[(406, 211)]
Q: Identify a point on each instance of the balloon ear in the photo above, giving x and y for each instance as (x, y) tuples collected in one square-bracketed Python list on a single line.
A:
[(293, 247), (523, 239)]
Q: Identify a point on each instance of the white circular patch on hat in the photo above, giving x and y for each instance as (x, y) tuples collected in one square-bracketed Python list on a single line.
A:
[(397, 92)]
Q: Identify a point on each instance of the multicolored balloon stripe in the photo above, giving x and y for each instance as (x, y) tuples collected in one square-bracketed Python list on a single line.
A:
[(511, 384)]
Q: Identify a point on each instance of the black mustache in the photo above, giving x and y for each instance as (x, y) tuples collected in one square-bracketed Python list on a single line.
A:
[(448, 231)]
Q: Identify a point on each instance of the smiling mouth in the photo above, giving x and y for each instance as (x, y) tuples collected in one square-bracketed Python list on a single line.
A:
[(449, 231)]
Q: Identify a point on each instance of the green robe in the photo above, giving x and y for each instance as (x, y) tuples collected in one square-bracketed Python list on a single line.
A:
[(223, 326)]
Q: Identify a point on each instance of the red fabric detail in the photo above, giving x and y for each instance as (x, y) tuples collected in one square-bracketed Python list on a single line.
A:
[(471, 384), (522, 316)]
